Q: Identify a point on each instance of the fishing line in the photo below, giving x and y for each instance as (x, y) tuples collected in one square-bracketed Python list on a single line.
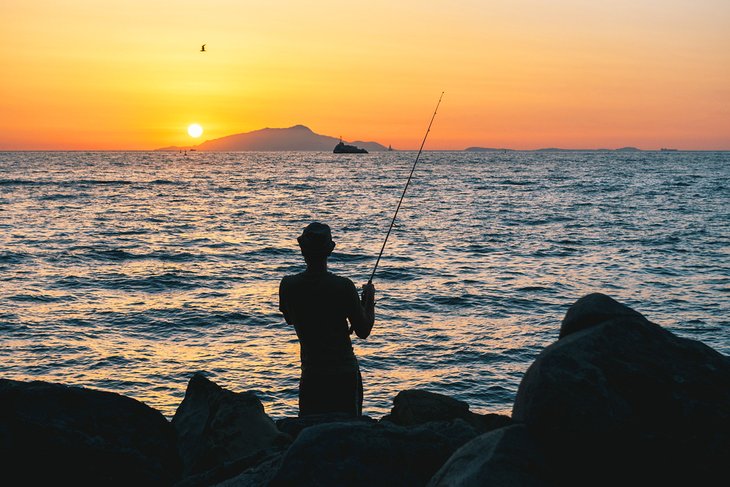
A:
[(370, 281)]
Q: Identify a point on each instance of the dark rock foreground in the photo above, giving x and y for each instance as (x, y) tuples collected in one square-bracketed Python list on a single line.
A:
[(507, 456), (216, 426), (358, 453), (52, 434), (416, 407), (622, 395), (617, 400)]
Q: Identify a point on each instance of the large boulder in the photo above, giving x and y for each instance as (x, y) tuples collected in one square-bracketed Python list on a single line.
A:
[(62, 435), (504, 457), (367, 454), (218, 427), (618, 394), (413, 407), (594, 309)]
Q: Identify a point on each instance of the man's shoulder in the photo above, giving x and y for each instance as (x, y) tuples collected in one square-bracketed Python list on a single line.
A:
[(341, 280), (303, 277), (292, 278)]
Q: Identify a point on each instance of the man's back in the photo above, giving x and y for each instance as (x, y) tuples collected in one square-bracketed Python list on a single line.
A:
[(317, 304)]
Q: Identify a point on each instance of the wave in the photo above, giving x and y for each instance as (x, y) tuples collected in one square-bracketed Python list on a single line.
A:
[(461, 301), (536, 288), (110, 361), (167, 321), (345, 257), (86, 253), (165, 182), (513, 182), (11, 322), (8, 257), (115, 233), (469, 356), (59, 196), (121, 282), (86, 182), (396, 274), (271, 251), (24, 182), (40, 298), (97, 182), (221, 245), (483, 248)]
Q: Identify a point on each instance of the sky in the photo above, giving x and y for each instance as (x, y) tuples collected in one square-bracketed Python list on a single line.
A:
[(523, 74)]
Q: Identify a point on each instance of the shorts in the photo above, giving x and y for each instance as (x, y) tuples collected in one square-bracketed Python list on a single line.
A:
[(324, 391)]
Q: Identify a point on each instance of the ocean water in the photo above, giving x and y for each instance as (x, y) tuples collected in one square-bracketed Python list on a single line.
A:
[(128, 272)]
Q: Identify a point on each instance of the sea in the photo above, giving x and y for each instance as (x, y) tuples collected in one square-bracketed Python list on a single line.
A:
[(130, 271)]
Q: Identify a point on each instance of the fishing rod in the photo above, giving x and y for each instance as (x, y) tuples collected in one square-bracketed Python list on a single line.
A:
[(392, 222)]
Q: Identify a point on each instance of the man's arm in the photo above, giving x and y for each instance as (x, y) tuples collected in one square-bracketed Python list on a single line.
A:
[(282, 300), (362, 318)]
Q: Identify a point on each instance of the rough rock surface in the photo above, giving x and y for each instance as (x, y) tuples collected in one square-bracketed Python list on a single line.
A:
[(413, 407), (361, 454), (256, 476), (216, 426), (64, 435), (623, 395), (254, 470), (293, 426), (504, 457)]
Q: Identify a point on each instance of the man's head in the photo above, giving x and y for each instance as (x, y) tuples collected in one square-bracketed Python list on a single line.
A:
[(316, 241)]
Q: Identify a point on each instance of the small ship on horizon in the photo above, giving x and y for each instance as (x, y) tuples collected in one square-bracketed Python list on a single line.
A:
[(342, 148)]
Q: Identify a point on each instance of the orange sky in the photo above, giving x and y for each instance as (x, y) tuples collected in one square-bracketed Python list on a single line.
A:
[(87, 74)]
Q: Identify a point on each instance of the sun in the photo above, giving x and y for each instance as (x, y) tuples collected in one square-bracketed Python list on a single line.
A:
[(195, 130)]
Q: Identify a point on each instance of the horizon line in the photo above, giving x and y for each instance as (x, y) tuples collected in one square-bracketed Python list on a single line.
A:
[(475, 149)]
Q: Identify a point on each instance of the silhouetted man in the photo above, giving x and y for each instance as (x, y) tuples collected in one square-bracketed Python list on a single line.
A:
[(319, 304)]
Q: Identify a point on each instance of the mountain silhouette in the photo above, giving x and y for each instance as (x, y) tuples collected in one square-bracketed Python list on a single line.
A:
[(296, 138)]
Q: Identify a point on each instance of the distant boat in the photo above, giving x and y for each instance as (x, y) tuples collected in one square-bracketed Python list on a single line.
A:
[(664, 149), (342, 148)]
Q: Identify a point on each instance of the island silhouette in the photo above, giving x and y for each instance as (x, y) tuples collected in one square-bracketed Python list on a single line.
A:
[(296, 138), (302, 138)]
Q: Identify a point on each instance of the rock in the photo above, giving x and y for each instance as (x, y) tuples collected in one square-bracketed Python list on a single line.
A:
[(216, 426), (414, 407), (626, 394), (294, 426), (254, 470), (62, 435), (593, 309), (256, 476), (367, 454), (504, 457)]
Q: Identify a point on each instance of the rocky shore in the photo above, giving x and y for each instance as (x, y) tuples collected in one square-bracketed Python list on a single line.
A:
[(617, 400)]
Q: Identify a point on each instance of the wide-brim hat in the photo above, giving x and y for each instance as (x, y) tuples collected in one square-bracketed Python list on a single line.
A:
[(316, 239)]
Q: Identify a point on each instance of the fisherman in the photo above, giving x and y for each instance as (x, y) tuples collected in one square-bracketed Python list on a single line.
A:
[(319, 304)]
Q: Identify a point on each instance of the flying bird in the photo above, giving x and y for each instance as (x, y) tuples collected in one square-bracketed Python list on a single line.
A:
[(202, 48)]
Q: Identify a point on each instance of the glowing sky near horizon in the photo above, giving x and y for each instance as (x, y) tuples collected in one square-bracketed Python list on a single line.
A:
[(84, 74)]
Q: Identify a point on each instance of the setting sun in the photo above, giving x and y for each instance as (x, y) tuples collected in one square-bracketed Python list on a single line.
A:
[(195, 130)]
